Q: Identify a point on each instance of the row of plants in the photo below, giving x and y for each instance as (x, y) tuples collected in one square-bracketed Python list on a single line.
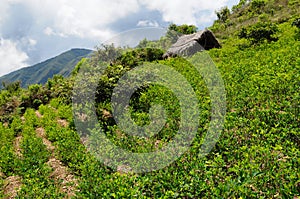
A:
[(30, 164), (257, 155)]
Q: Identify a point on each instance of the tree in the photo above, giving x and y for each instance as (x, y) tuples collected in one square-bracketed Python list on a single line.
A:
[(183, 29), (12, 88), (175, 31), (106, 53), (257, 5), (223, 14), (143, 43)]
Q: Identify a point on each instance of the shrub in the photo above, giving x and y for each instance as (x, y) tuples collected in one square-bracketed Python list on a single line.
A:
[(260, 32), (12, 88), (135, 57), (124, 63), (296, 23), (241, 4), (257, 5), (175, 31), (183, 29), (223, 14), (34, 97), (59, 87), (106, 53)]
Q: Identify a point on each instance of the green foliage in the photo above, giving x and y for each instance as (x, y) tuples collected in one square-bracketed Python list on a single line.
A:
[(78, 66), (124, 63), (59, 87), (8, 161), (34, 97), (175, 31), (12, 88), (163, 43), (240, 5), (260, 32), (106, 53), (183, 29), (257, 155), (296, 23), (257, 5), (135, 57), (9, 101), (223, 14), (249, 12)]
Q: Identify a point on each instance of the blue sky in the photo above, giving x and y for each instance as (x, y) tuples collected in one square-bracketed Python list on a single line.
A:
[(32, 31)]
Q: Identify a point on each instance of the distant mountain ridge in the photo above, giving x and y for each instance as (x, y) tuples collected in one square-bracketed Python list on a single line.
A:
[(62, 64)]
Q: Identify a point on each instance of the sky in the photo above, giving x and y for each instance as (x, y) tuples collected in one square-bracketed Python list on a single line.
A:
[(32, 31)]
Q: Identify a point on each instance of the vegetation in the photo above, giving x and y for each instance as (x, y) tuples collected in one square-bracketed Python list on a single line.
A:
[(250, 12), (260, 32), (258, 152), (296, 23), (173, 33), (183, 29), (223, 14)]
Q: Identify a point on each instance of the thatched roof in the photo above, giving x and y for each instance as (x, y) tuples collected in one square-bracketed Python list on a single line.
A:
[(188, 45)]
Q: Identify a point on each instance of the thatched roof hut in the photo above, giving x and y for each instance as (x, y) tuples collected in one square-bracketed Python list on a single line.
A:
[(188, 45)]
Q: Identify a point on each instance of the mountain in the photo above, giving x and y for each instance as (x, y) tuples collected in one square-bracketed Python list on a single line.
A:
[(39, 74), (229, 132)]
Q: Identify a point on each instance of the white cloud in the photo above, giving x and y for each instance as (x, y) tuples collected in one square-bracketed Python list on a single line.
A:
[(147, 23), (82, 19), (32, 27), (11, 57), (92, 18), (32, 42), (48, 31), (179, 11)]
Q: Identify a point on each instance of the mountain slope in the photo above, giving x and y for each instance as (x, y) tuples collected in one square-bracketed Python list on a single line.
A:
[(44, 155), (39, 74), (249, 12)]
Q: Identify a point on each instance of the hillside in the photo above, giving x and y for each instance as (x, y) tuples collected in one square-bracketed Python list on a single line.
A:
[(247, 13), (39, 74), (44, 134)]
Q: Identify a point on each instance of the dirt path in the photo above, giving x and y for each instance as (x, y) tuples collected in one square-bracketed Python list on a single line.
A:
[(63, 123), (11, 187), (17, 146), (41, 133), (60, 173)]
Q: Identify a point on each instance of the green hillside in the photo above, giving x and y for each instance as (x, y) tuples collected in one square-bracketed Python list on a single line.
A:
[(256, 156), (39, 74)]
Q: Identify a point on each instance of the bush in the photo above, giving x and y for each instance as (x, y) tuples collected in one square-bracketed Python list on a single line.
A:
[(183, 29), (123, 64), (135, 57), (223, 14), (175, 31), (106, 53), (34, 97), (59, 87), (237, 7), (257, 5), (260, 32), (296, 23), (12, 88)]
